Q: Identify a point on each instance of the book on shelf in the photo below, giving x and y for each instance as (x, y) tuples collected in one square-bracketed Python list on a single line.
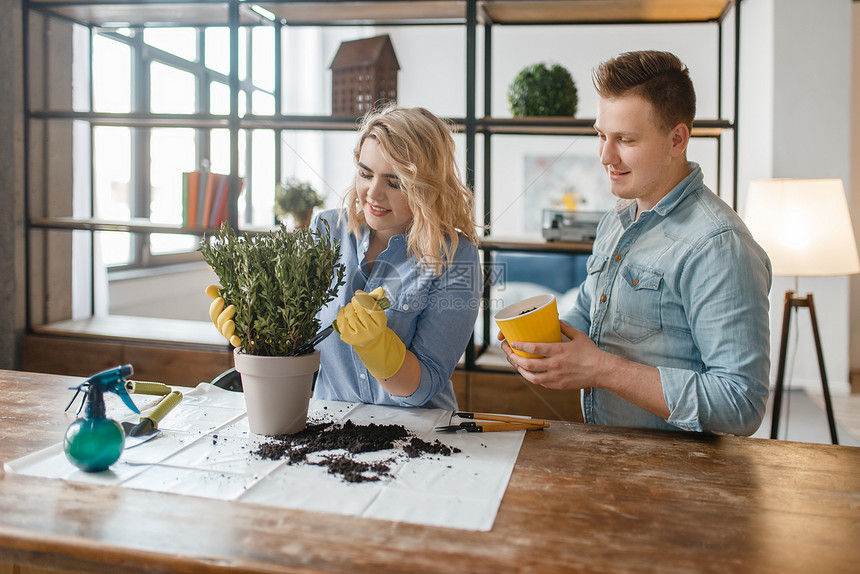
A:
[(190, 217), (211, 188), (205, 198), (201, 193), (219, 203), (185, 177)]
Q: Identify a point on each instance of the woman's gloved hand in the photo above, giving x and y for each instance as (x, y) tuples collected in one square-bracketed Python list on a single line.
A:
[(222, 316), (362, 324)]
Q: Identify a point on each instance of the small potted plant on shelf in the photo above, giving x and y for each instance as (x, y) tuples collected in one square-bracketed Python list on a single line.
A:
[(278, 282), (541, 90), (298, 199)]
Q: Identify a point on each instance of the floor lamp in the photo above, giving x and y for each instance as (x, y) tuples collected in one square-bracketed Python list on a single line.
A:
[(805, 228)]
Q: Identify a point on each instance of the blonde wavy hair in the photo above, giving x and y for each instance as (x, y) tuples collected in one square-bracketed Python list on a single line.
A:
[(420, 148)]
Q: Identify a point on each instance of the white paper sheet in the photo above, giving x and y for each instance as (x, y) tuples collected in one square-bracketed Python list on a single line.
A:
[(205, 448)]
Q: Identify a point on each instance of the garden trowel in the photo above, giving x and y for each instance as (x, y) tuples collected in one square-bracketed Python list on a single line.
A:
[(147, 428)]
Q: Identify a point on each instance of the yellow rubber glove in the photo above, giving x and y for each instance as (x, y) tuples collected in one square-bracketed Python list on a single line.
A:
[(362, 324), (222, 316)]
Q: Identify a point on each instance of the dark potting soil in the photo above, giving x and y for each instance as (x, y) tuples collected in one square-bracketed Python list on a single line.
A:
[(356, 471), (354, 439)]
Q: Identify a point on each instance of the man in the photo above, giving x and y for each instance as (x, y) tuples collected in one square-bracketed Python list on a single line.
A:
[(670, 328)]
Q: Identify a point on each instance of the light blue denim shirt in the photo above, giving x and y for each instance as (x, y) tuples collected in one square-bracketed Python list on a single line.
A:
[(433, 316), (683, 288)]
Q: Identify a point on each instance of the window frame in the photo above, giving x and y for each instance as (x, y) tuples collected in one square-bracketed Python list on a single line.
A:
[(142, 56)]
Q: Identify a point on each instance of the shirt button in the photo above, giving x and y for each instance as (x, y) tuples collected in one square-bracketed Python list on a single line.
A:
[(362, 376), (603, 299), (405, 307), (618, 257), (635, 282)]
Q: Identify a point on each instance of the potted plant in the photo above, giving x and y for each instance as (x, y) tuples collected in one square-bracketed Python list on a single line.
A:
[(278, 282), (297, 198), (541, 90)]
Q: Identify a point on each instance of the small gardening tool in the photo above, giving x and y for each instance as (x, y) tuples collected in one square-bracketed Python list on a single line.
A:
[(485, 422), (147, 388), (147, 428), (308, 346)]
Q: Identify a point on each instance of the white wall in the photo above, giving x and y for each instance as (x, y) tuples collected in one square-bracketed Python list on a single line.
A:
[(795, 103), (854, 283)]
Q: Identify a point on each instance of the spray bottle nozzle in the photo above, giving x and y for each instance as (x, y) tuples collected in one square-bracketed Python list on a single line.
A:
[(109, 381)]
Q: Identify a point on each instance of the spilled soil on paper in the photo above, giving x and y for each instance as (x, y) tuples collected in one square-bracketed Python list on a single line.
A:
[(340, 442)]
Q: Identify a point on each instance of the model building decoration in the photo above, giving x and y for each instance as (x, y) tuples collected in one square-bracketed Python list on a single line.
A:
[(363, 76)]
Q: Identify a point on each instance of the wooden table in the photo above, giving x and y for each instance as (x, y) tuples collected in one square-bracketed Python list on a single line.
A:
[(582, 498)]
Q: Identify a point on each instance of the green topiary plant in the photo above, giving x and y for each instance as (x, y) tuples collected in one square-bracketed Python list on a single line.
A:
[(278, 281), (539, 90), (297, 198)]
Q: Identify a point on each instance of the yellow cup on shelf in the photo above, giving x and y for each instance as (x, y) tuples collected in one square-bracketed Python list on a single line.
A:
[(532, 320)]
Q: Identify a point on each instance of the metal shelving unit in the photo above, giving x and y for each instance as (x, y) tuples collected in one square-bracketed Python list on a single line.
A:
[(472, 14)]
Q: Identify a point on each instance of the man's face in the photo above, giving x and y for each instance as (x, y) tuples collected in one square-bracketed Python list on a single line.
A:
[(636, 154)]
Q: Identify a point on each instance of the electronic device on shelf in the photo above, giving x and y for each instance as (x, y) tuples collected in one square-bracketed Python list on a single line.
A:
[(565, 225)]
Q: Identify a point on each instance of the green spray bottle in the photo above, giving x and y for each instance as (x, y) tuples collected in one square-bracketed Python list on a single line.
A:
[(95, 442)]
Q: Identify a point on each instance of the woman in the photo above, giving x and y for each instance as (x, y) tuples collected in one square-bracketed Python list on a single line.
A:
[(406, 227)]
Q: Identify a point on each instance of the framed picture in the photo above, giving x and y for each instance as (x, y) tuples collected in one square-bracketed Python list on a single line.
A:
[(573, 182)]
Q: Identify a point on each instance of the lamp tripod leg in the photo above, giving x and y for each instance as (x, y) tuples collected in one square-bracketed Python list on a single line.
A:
[(780, 372), (827, 403)]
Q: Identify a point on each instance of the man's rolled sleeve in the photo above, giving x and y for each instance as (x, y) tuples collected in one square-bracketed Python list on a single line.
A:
[(726, 285)]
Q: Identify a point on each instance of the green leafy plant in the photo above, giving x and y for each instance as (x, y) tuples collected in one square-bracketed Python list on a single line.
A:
[(539, 90), (297, 198), (278, 281)]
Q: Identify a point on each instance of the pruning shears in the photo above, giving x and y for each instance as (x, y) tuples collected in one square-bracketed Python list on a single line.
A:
[(485, 422)]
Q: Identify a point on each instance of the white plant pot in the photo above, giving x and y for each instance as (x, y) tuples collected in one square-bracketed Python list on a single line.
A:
[(277, 390)]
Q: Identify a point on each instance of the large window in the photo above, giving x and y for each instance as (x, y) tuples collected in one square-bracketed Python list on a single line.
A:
[(176, 73)]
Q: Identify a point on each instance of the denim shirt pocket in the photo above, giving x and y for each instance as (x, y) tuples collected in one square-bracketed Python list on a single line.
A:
[(638, 303)]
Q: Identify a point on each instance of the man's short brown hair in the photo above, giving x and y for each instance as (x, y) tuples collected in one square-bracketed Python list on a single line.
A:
[(658, 77)]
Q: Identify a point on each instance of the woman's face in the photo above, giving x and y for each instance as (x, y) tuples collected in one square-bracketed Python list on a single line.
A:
[(379, 194)]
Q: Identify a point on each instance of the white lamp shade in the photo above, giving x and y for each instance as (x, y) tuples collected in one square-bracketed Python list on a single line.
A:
[(803, 225)]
